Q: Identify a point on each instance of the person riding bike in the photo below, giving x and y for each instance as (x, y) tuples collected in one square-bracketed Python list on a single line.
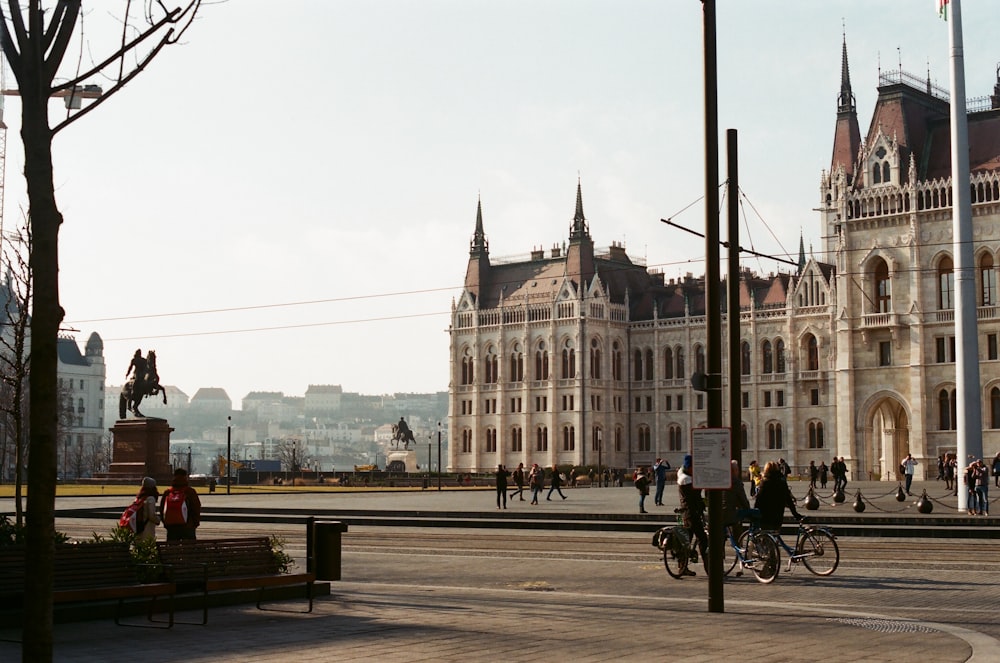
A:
[(772, 498), (692, 511)]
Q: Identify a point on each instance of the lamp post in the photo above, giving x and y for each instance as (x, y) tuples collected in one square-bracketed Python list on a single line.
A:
[(428, 457), (189, 459), (439, 456), (229, 454), (599, 445)]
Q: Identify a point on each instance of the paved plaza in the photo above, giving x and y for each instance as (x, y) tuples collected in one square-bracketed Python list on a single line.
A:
[(445, 605)]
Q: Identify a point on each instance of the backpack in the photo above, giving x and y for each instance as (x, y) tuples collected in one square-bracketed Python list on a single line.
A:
[(175, 509), (134, 516)]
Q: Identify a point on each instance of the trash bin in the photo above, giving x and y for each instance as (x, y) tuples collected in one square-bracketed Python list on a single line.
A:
[(326, 548)]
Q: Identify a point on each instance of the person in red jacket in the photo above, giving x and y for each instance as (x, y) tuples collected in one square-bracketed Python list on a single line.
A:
[(180, 508)]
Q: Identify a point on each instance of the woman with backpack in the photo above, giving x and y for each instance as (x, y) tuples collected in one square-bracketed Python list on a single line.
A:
[(141, 517), (180, 508)]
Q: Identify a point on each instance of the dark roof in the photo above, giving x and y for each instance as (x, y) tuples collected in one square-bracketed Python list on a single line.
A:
[(69, 352)]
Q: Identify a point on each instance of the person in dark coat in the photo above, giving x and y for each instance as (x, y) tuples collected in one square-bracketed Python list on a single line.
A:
[(692, 511), (556, 484), (501, 477), (772, 498)]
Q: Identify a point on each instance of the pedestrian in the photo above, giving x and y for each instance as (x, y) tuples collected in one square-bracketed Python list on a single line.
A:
[(754, 470), (660, 469), (823, 472), (555, 483), (501, 479), (642, 485), (996, 470), (140, 517), (692, 511), (518, 477), (180, 508), (940, 467), (981, 481), (536, 481), (785, 470), (908, 464), (813, 474), (735, 505), (949, 472), (970, 485)]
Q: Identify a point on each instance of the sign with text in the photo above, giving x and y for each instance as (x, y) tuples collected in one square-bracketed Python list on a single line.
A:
[(711, 452)]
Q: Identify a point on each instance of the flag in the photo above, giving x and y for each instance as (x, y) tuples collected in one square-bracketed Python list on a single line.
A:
[(943, 9)]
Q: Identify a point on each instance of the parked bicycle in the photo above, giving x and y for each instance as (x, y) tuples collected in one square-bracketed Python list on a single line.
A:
[(815, 547), (755, 551)]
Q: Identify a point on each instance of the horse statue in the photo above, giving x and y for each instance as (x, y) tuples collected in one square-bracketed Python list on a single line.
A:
[(144, 382), (402, 433)]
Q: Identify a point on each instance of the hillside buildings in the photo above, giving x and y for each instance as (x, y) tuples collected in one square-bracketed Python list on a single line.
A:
[(580, 355)]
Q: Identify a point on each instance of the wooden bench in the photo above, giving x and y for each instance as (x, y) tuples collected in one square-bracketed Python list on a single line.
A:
[(86, 572), (209, 565)]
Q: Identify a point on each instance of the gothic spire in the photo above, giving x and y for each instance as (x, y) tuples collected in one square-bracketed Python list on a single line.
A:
[(802, 253), (847, 133), (845, 102), (579, 228), (479, 245)]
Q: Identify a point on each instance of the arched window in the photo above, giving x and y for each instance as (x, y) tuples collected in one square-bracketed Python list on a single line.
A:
[(644, 439), (616, 361), (637, 365), (699, 358), (491, 440), (987, 281), (679, 353), (774, 440), (466, 441), (649, 364), (675, 440), (490, 366), (516, 365), (668, 364), (946, 284), (541, 439), (744, 358), (467, 368), (779, 356), (569, 438), (947, 410), (994, 407), (595, 359), (744, 437), (767, 357), (886, 172), (812, 353), (883, 292), (876, 174), (516, 439), (816, 435), (568, 362)]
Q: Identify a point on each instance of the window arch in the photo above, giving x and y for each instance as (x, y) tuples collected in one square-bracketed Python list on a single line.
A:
[(616, 361), (568, 361), (675, 439), (767, 357), (744, 437), (744, 358), (995, 407), (516, 439), (467, 367), (569, 438), (679, 353), (649, 364), (668, 364), (774, 437), (595, 359), (883, 290), (812, 353), (886, 172), (637, 365), (816, 438), (947, 410), (516, 365), (541, 362), (699, 358), (645, 439), (491, 440), (779, 356), (541, 439), (946, 284), (490, 366), (876, 174), (987, 281)]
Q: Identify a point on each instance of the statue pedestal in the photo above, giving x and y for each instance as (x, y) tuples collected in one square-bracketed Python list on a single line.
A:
[(401, 461), (141, 448)]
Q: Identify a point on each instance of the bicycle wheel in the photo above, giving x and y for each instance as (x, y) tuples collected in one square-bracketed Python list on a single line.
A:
[(819, 550), (729, 556), (762, 554), (675, 552)]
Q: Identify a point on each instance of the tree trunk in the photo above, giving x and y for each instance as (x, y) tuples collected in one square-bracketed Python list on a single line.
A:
[(46, 317)]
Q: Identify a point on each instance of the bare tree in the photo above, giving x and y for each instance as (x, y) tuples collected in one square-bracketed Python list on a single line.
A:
[(15, 358), (35, 36)]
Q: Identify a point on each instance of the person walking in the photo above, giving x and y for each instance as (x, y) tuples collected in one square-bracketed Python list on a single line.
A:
[(996, 470), (642, 485), (518, 477), (772, 498), (536, 481), (981, 486), (754, 470), (949, 472), (555, 483), (692, 511), (823, 472), (660, 469), (908, 464), (501, 481), (813, 474), (180, 508)]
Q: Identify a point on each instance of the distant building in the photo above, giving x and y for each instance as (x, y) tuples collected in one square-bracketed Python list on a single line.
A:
[(323, 400), (211, 399), (82, 425)]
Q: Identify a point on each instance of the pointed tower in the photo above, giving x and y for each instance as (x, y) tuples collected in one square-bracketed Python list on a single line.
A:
[(580, 253), (479, 256), (847, 135), (802, 253)]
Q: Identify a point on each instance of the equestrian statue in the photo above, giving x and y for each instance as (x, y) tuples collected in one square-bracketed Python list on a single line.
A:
[(402, 433), (145, 381)]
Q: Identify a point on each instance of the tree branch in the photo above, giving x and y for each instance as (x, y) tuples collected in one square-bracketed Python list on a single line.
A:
[(67, 23)]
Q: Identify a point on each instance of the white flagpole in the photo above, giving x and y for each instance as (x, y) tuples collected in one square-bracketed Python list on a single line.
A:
[(969, 420)]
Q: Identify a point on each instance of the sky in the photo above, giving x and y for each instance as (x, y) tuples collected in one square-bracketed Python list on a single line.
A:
[(287, 196)]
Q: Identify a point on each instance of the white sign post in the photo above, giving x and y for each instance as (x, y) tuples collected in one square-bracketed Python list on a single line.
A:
[(711, 451)]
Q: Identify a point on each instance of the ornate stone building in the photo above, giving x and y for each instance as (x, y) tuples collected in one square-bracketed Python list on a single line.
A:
[(582, 356)]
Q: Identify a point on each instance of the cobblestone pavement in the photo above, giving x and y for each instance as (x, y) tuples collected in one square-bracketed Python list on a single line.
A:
[(450, 604)]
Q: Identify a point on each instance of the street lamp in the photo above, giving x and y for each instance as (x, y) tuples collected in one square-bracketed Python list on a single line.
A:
[(439, 456), (229, 454), (189, 459)]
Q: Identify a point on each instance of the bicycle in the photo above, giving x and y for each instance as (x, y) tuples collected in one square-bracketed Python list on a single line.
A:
[(757, 552), (816, 547)]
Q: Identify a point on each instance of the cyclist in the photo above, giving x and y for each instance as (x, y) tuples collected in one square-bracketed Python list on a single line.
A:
[(772, 498), (692, 511)]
